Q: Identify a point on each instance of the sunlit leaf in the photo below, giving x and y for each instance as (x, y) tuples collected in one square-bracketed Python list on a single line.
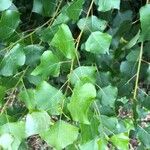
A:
[(98, 43), (80, 102), (60, 135)]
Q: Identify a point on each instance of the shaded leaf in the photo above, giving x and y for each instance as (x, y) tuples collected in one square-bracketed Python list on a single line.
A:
[(74, 9), (8, 23), (106, 5), (12, 60), (108, 95), (145, 22)]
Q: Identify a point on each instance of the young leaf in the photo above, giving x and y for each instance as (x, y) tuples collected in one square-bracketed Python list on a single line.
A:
[(49, 65), (60, 135), (12, 61), (106, 5), (28, 97), (5, 4), (48, 98), (145, 22), (121, 141), (8, 23), (36, 123), (44, 7), (64, 41), (80, 102), (98, 43), (92, 24), (108, 95), (86, 73), (74, 9)]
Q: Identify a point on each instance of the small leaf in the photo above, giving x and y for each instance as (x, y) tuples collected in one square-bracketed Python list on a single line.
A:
[(33, 53), (44, 7), (87, 73), (145, 22), (8, 23), (133, 56), (5, 4), (92, 24), (132, 42), (95, 144), (98, 43), (36, 123), (28, 97), (64, 41), (108, 96), (49, 65), (60, 135), (12, 61), (121, 141), (106, 5), (48, 98), (74, 9), (80, 102)]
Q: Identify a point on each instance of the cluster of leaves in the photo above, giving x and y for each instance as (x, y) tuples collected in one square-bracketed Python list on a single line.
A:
[(76, 73)]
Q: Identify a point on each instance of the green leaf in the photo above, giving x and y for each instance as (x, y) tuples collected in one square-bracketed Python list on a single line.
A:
[(80, 102), (95, 144), (64, 41), (44, 7), (60, 135), (92, 24), (2, 93), (36, 123), (49, 65), (83, 73), (106, 5), (16, 129), (8, 23), (144, 136), (74, 9), (28, 97), (48, 98), (5, 4), (121, 141), (33, 54), (108, 95), (133, 56), (132, 42), (6, 141), (145, 22), (98, 43), (12, 61)]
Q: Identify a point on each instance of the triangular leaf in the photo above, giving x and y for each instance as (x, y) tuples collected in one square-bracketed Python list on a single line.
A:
[(49, 65), (64, 41), (98, 43), (80, 102), (60, 135)]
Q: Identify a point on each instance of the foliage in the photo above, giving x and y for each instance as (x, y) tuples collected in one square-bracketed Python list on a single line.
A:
[(76, 73)]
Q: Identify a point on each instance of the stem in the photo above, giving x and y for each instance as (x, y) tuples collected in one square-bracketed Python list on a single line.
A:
[(136, 85)]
